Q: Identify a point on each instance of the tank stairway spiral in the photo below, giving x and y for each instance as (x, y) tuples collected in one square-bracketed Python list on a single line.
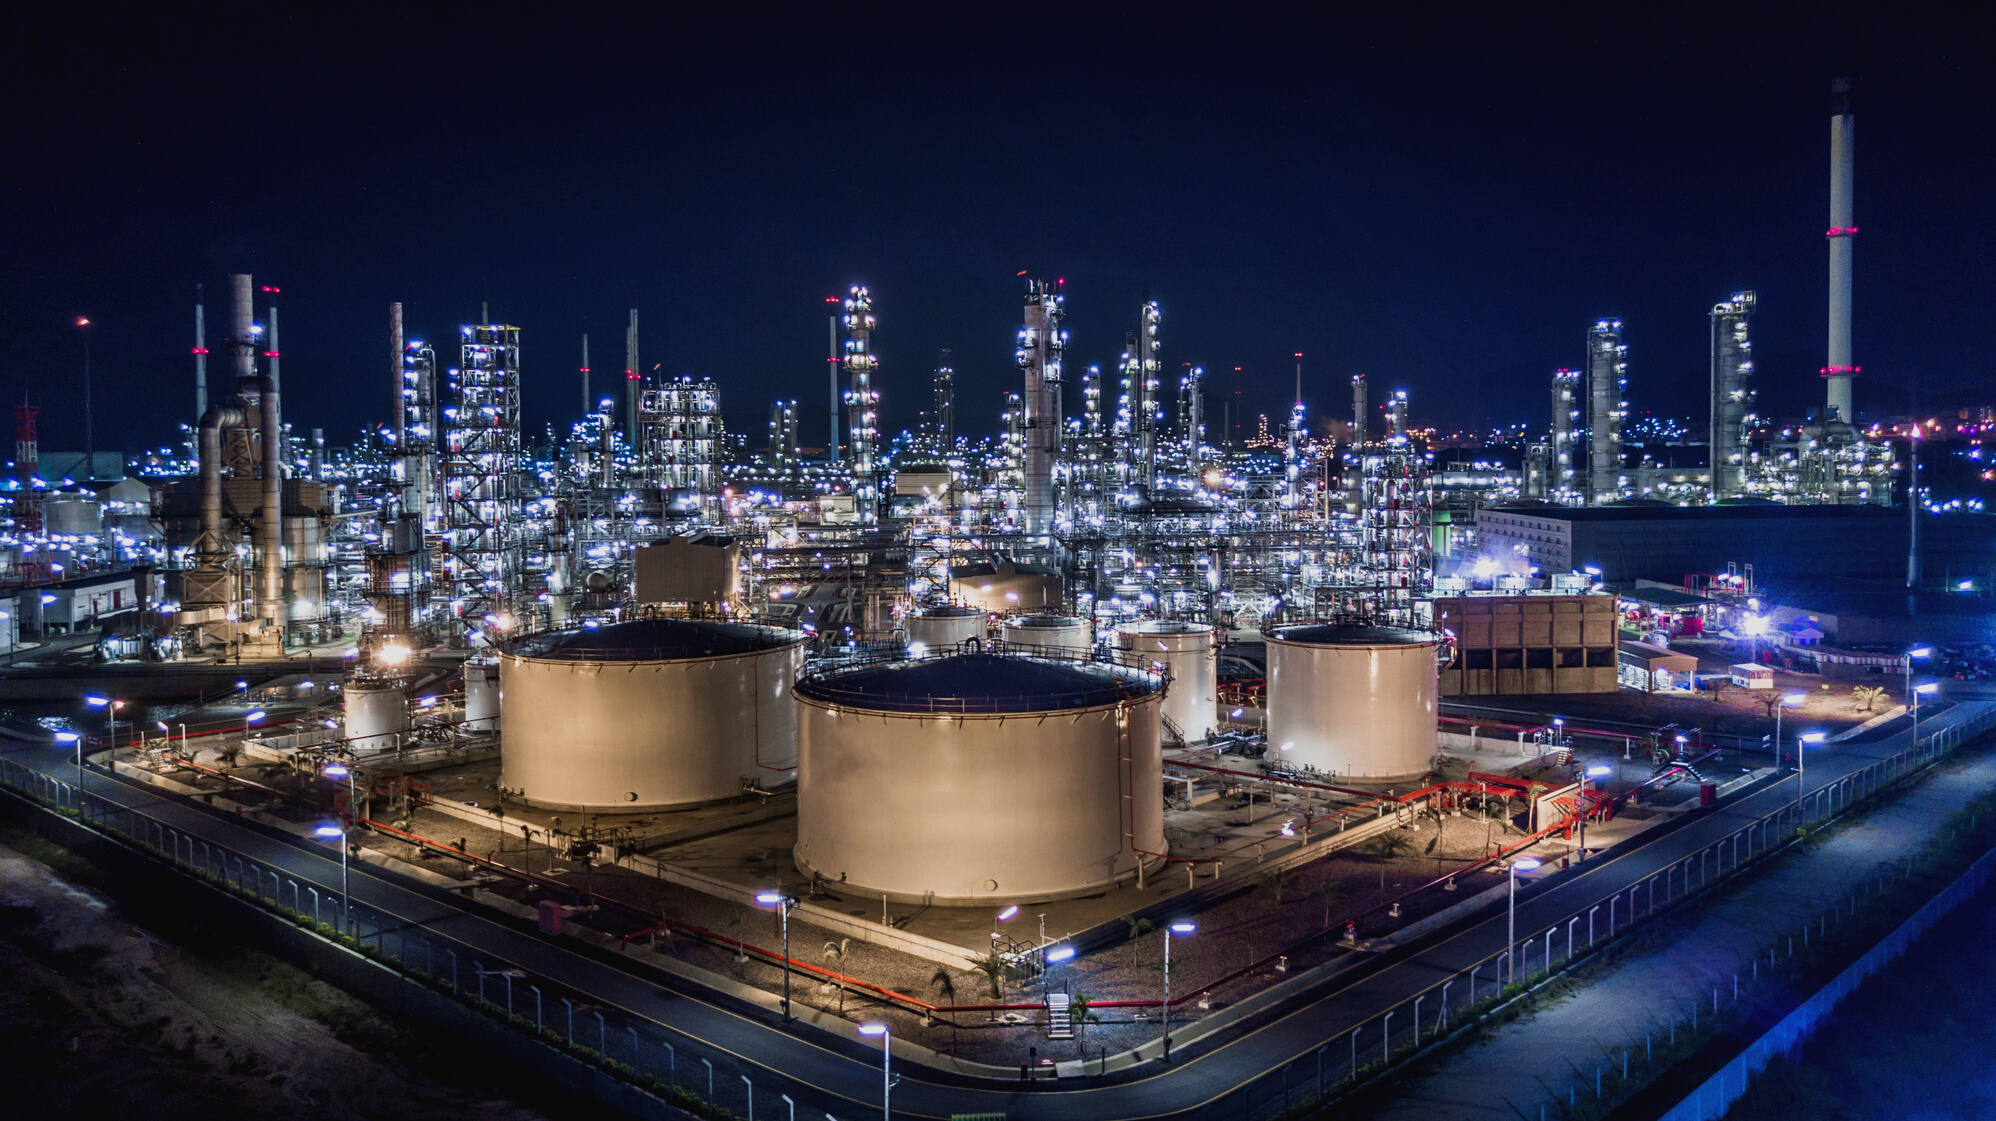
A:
[(1060, 1025)]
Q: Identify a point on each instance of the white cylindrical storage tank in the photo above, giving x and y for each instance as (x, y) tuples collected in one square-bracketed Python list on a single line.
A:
[(376, 713), (73, 515), (979, 778), (940, 628), (1352, 700), (649, 713), (1190, 655), (1060, 632), (481, 695)]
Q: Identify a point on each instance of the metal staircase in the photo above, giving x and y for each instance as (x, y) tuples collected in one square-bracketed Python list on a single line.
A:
[(1060, 1025)]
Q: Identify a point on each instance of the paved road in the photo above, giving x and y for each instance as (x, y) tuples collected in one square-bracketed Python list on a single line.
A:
[(842, 1076)]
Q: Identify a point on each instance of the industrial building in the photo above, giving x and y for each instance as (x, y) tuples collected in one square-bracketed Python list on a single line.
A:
[(1783, 544), (1528, 644)]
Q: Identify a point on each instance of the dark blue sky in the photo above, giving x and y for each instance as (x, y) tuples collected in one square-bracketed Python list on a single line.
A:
[(1445, 203)]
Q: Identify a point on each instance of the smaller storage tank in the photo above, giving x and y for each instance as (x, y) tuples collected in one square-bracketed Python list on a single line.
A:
[(979, 778), (1352, 700), (1060, 632), (376, 713), (1190, 655), (944, 626), (71, 514), (481, 695)]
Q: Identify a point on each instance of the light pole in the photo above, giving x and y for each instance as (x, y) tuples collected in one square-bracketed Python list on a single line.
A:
[(887, 1079), (1522, 864), (252, 718), (110, 708), (1180, 928), (1754, 626), (782, 903), (1926, 688), (1802, 742), (1916, 652), (346, 906), (77, 739), (337, 769), (1790, 699), (1597, 770)]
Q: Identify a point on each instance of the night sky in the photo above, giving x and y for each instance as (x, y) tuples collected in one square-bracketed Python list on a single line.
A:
[(1445, 204)]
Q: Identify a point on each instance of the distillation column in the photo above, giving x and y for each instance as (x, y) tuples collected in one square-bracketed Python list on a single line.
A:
[(1732, 394), (862, 403), (1607, 366), (1041, 341), (1565, 410)]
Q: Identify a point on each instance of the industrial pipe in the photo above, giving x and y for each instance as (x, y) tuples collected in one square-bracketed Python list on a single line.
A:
[(213, 422)]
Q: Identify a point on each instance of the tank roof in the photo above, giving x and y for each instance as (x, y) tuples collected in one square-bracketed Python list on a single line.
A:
[(1165, 626), (993, 683), (1045, 620), (655, 640), (948, 611), (1348, 634)]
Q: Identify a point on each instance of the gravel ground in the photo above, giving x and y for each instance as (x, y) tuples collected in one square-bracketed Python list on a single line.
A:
[(101, 1017)]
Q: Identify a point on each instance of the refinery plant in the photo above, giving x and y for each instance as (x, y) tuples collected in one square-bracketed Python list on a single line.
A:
[(970, 711)]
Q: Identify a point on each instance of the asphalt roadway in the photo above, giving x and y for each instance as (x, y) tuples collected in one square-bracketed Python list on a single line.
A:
[(841, 1077)]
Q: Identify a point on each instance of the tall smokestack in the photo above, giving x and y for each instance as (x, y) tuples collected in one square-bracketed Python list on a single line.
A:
[(588, 406), (633, 379), (1843, 228), (200, 358), (1358, 408)]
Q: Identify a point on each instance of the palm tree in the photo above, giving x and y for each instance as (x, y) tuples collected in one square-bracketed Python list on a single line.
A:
[(836, 951), (1138, 927), (992, 967), (1274, 882), (1868, 696), (1391, 844), (1079, 1012), (1332, 894), (945, 987)]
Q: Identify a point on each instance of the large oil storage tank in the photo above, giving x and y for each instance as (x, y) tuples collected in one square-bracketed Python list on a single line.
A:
[(1352, 700), (481, 694), (376, 712), (648, 713), (943, 626), (1060, 632), (1190, 655), (979, 778)]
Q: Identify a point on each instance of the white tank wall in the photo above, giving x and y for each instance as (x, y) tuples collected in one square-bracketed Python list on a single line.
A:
[(980, 809), (375, 713), (1078, 634), (589, 735), (1356, 711), (939, 631), (73, 516), (1189, 654), (481, 696)]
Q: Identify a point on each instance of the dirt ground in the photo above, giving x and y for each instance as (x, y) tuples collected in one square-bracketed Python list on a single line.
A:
[(102, 1017)]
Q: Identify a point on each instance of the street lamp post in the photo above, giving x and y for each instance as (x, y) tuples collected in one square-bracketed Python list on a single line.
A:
[(1925, 688), (1801, 743), (1180, 928), (346, 905), (1916, 652), (887, 1079), (110, 708), (1790, 699), (77, 739), (782, 903), (1597, 770), (1522, 864)]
